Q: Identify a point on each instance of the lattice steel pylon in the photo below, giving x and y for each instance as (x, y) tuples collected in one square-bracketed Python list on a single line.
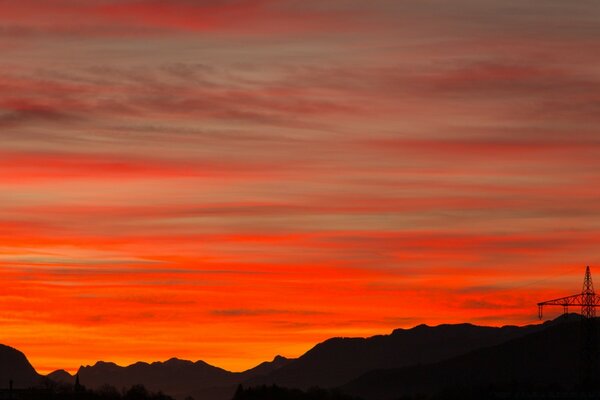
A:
[(588, 300)]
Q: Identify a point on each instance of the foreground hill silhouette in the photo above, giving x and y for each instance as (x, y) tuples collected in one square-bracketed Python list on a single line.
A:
[(176, 377), (15, 366), (61, 376), (548, 360), (330, 364), (49, 390), (179, 378), (338, 360)]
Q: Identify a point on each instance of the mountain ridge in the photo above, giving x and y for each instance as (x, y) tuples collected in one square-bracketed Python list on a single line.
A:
[(15, 367), (548, 358), (329, 364), (337, 360), (395, 331)]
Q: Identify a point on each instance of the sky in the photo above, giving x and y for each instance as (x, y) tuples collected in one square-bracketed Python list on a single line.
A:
[(228, 180)]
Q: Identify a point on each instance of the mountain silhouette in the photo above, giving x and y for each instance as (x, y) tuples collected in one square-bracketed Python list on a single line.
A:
[(546, 359), (391, 361), (178, 378), (61, 376), (175, 377), (329, 364), (267, 367), (15, 366), (339, 360)]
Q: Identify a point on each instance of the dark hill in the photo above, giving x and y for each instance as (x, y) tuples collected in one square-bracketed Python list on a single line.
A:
[(61, 376), (175, 377), (15, 366), (549, 358), (329, 364), (339, 360), (266, 367), (226, 392), (178, 378)]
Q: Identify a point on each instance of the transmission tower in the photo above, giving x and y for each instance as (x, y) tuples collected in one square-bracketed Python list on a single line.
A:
[(588, 300)]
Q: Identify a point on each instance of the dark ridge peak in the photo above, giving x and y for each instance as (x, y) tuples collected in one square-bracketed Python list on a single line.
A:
[(562, 319), (15, 366), (420, 327), (462, 324), (265, 368), (568, 317), (425, 327), (510, 326), (139, 364), (60, 371), (334, 341), (60, 376), (343, 338), (102, 364), (417, 328), (9, 348), (177, 361)]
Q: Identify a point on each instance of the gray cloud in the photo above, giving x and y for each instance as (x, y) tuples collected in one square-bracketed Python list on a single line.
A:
[(246, 312)]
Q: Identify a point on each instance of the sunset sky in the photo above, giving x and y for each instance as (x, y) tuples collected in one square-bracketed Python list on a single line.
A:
[(228, 180)]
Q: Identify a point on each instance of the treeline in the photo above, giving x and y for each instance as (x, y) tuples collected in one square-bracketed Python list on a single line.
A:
[(489, 392), (279, 393), (61, 391)]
